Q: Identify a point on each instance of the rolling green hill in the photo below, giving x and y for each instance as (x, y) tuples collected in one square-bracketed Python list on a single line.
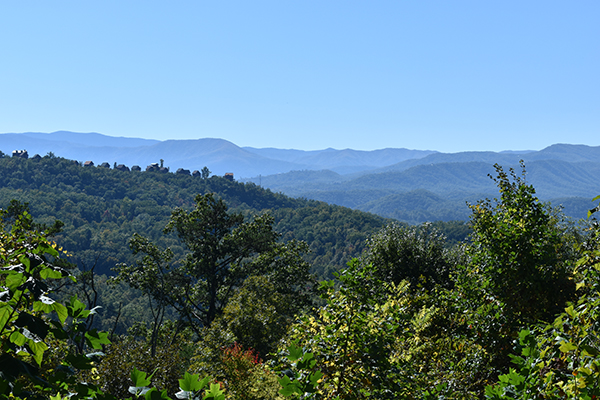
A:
[(103, 207), (438, 191)]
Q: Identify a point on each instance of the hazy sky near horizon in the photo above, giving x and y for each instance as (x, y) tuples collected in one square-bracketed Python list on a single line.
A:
[(440, 75)]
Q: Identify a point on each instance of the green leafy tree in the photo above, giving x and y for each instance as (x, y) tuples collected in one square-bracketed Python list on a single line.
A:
[(518, 272), (224, 250), (42, 341), (154, 277), (361, 342), (414, 253), (561, 360), (127, 353), (205, 173), (521, 252)]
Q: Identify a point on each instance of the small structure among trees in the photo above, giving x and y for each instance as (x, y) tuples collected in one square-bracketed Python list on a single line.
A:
[(88, 164), (20, 153), (182, 171), (229, 176), (152, 167), (122, 167)]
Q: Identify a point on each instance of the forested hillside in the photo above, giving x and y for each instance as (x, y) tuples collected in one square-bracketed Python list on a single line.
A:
[(511, 314), (413, 186), (416, 191), (102, 208)]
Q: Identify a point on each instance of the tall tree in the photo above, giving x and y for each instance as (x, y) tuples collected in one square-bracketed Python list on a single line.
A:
[(224, 250), (519, 270), (521, 251)]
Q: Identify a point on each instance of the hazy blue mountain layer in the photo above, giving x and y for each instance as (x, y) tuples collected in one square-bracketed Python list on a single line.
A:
[(410, 185)]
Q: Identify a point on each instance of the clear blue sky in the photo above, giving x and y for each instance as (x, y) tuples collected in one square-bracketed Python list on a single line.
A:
[(441, 75)]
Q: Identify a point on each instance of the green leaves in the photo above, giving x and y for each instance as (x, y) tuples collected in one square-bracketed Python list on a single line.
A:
[(296, 353), (140, 380), (192, 383), (27, 325), (191, 387), (561, 360), (97, 339), (214, 392), (47, 305), (595, 209), (224, 251), (305, 378)]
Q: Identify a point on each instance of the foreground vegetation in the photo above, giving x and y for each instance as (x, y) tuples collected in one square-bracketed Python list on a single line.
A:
[(513, 313), (102, 208)]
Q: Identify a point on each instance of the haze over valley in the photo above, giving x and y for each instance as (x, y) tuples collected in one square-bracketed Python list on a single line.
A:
[(406, 184)]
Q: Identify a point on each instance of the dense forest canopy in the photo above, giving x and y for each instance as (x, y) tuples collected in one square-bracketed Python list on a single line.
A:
[(103, 207), (511, 313)]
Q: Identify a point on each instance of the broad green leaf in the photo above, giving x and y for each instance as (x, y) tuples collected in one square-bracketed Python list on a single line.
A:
[(154, 394), (77, 308), (314, 378), (284, 380), (35, 325), (14, 280), (38, 349), (46, 248), (566, 347), (61, 311), (4, 315), (215, 392), (589, 350), (192, 383), (50, 273), (97, 339), (25, 261), (139, 378), (289, 389), (79, 361), (295, 352), (17, 338)]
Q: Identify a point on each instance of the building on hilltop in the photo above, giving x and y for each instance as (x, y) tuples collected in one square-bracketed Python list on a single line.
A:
[(20, 153), (88, 164), (152, 167), (229, 176), (136, 168), (182, 171), (122, 167), (104, 165)]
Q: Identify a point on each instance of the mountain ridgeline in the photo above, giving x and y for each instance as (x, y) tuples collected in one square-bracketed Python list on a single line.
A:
[(439, 186), (103, 207), (412, 186)]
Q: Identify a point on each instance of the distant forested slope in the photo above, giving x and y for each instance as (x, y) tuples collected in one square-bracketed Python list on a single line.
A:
[(103, 207), (440, 191)]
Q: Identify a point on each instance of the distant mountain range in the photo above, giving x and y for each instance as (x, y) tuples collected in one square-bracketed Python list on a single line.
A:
[(219, 155), (410, 185)]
